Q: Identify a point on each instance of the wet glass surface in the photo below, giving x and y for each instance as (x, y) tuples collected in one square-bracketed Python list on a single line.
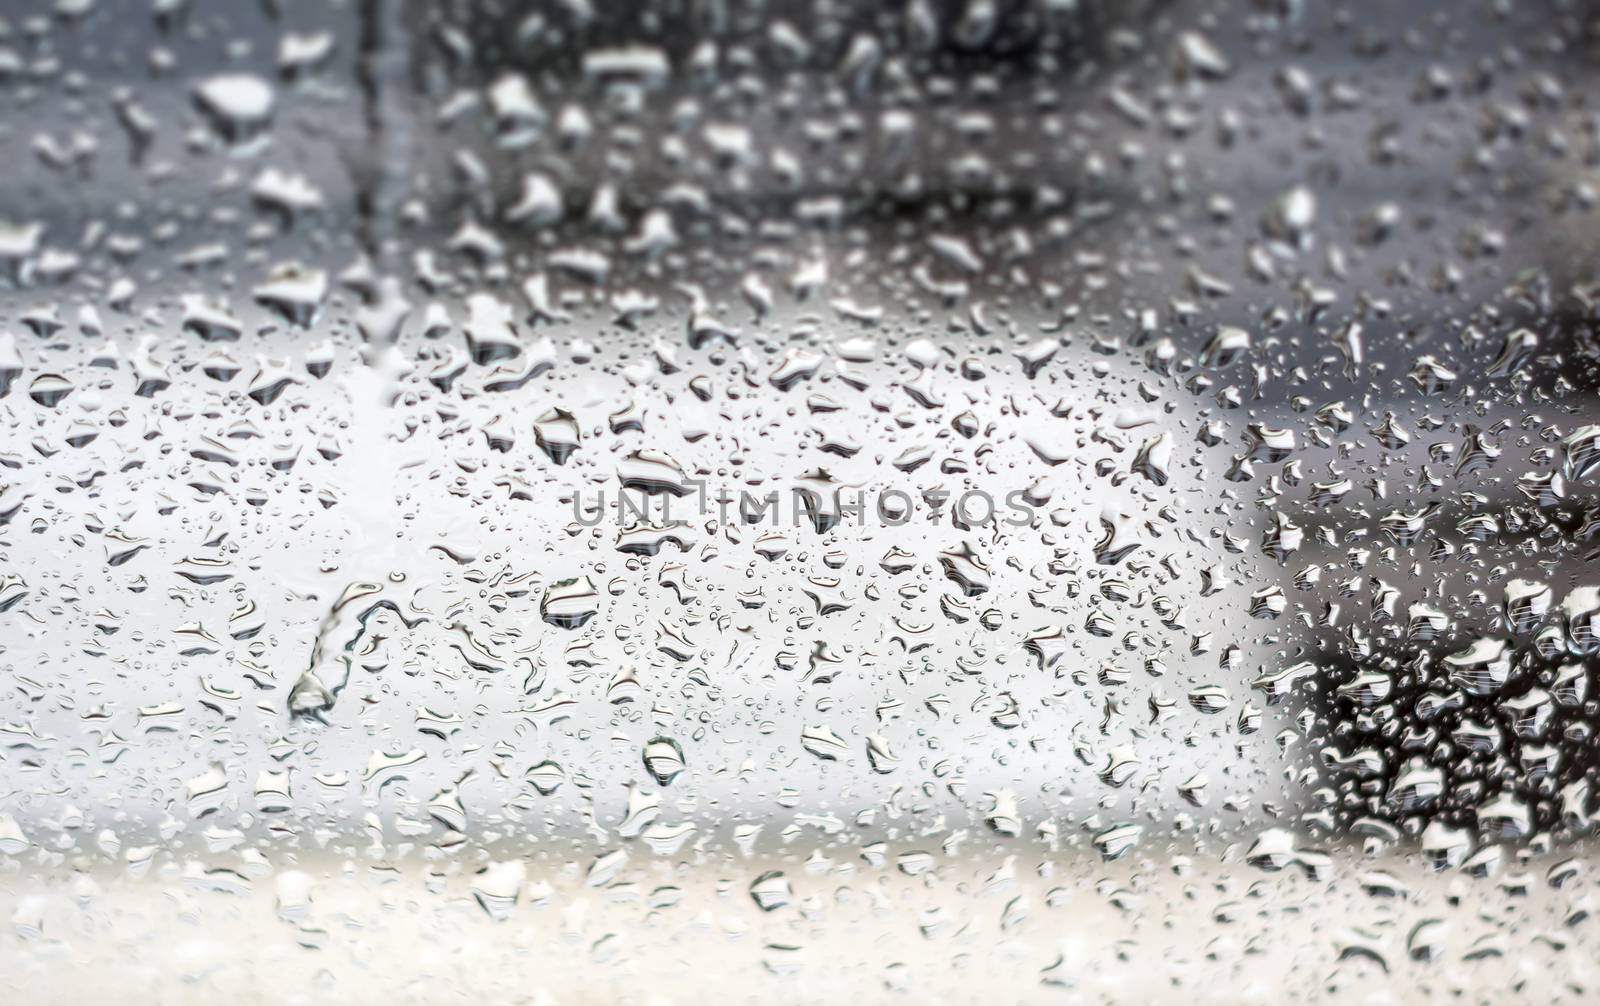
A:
[(1004, 500)]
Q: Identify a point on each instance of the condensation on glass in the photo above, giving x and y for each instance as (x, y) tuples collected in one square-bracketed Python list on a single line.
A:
[(1004, 500)]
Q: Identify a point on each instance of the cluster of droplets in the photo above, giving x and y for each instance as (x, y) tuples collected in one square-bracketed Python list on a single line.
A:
[(863, 458)]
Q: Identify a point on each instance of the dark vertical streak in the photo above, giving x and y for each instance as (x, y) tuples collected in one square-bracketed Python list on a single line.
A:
[(382, 47), (365, 167)]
